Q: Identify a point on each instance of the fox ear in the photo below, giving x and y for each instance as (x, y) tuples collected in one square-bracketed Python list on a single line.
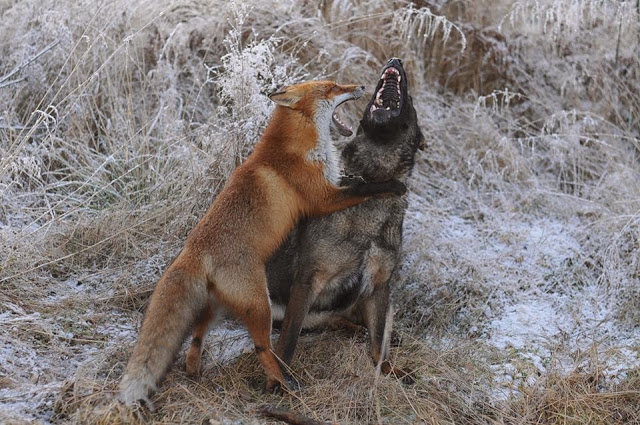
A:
[(285, 97)]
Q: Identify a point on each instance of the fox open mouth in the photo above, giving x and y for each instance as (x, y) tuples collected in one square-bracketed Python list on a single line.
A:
[(388, 95), (342, 128)]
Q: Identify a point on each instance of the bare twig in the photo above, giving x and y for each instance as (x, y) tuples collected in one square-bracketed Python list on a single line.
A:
[(12, 82), (618, 42), (13, 127), (24, 64), (638, 15)]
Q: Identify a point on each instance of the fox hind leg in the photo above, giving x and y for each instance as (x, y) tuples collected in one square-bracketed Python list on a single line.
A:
[(194, 354), (248, 298)]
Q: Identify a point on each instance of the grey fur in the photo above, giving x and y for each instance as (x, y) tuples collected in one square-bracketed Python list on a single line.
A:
[(342, 265)]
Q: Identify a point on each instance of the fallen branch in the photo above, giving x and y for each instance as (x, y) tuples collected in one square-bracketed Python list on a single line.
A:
[(286, 415)]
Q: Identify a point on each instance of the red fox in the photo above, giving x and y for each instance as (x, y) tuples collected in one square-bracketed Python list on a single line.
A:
[(293, 172)]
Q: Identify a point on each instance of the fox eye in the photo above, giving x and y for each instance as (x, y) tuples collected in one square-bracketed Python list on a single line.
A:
[(335, 88)]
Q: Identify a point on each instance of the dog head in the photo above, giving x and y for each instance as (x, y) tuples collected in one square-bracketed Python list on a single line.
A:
[(388, 136)]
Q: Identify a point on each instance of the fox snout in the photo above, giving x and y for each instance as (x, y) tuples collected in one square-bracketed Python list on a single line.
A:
[(359, 92), (344, 93)]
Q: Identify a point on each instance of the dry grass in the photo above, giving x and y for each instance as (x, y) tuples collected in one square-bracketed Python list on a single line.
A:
[(578, 398), (339, 381), (120, 121)]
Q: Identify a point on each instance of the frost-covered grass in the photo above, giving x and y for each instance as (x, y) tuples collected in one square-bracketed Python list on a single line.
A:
[(519, 297)]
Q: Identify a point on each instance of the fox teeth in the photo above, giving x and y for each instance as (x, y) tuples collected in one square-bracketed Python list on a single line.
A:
[(335, 117)]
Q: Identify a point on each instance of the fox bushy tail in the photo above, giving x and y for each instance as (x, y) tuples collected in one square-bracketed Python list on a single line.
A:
[(179, 297)]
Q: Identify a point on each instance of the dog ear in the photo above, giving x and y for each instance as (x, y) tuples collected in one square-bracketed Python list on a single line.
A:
[(285, 97)]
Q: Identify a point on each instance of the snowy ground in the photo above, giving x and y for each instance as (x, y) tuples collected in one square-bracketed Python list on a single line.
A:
[(537, 325), (539, 315)]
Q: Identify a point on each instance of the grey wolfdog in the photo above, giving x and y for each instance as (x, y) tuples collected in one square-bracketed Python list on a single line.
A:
[(339, 268)]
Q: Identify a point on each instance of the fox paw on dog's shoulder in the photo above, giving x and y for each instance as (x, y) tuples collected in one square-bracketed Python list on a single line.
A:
[(397, 187), (377, 189), (351, 179), (389, 188)]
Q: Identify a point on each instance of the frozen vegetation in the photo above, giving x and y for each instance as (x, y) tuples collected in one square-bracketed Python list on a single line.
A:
[(519, 297)]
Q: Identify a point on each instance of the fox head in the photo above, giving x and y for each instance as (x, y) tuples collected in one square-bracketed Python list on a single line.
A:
[(318, 100)]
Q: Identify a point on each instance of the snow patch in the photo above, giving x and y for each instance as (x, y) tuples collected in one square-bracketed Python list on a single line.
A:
[(540, 309)]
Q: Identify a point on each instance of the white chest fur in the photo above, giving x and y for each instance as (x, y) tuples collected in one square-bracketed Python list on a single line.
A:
[(325, 152)]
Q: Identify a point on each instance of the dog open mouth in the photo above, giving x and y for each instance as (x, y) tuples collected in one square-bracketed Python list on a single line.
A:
[(388, 95)]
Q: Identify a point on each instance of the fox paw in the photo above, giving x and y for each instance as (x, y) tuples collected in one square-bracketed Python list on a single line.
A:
[(392, 188), (274, 386), (397, 187), (351, 179), (406, 375)]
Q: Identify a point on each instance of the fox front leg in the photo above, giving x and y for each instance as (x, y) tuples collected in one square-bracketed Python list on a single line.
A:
[(357, 186)]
